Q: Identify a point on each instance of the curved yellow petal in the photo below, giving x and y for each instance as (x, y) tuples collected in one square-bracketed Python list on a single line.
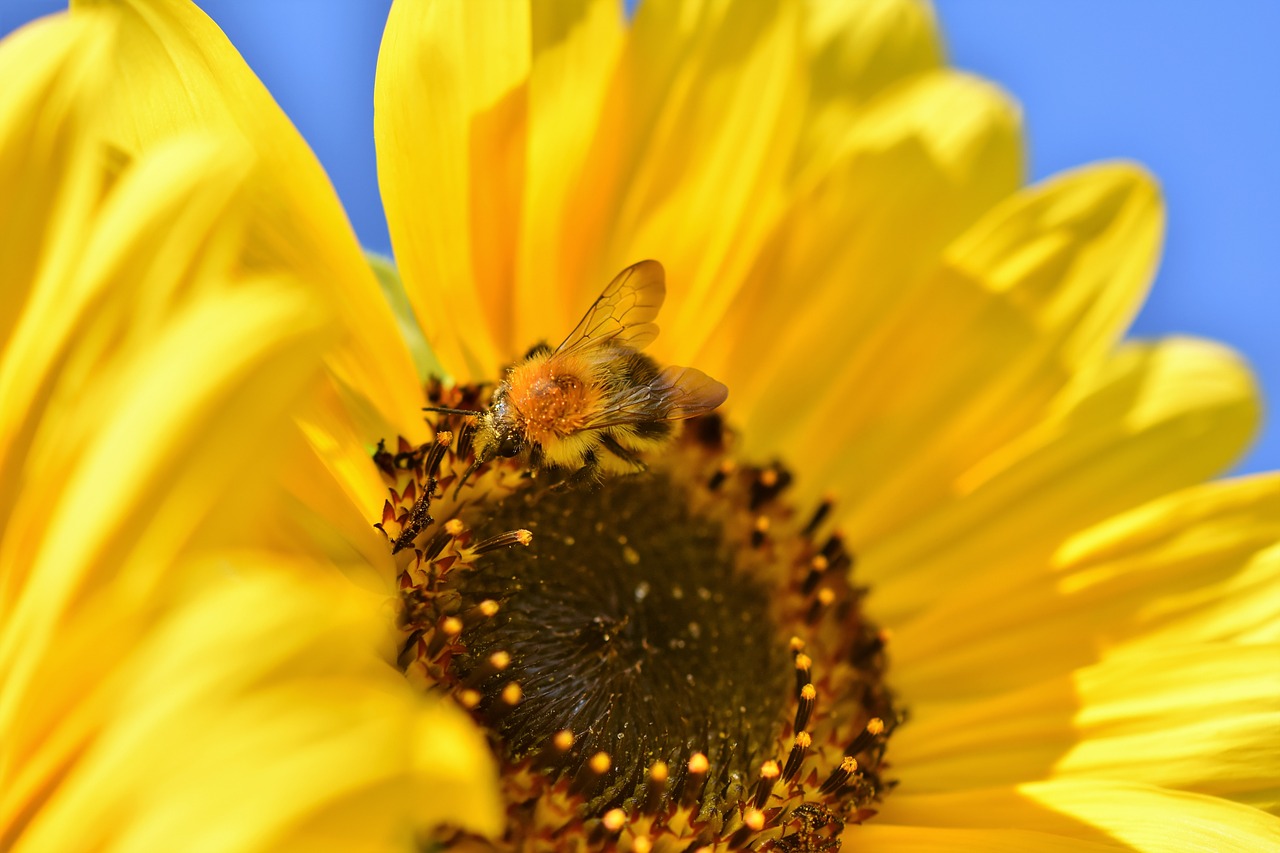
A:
[(161, 688), (175, 72), (832, 281), (1155, 419), (576, 46), (218, 732), (1097, 815), (1197, 566), (1190, 717), (697, 138), (855, 51), (450, 125), (1034, 293)]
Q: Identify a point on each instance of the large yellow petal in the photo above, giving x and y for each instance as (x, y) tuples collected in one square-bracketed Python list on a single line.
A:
[(697, 137), (149, 676), (1096, 815), (1189, 717), (838, 268), (854, 52), (450, 124), (1197, 566), (174, 72), (576, 46), (1157, 418), (255, 716), (1032, 294)]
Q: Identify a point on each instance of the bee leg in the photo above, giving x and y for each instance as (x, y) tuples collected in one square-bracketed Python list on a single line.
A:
[(611, 444), (588, 474)]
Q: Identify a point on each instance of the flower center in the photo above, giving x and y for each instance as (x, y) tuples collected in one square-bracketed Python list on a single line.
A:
[(669, 660), (629, 625)]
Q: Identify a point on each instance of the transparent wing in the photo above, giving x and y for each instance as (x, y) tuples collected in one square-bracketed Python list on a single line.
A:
[(624, 313), (673, 395)]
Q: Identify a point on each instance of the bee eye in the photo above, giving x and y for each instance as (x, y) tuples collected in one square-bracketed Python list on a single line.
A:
[(509, 445)]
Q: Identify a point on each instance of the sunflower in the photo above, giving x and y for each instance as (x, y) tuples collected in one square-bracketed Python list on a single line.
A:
[(944, 572)]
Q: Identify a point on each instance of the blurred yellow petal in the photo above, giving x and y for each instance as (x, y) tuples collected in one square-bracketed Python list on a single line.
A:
[(858, 49), (1187, 717), (159, 688), (576, 46), (174, 71), (1096, 815), (450, 123), (278, 732)]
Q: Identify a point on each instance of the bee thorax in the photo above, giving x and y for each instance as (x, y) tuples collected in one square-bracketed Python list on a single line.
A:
[(552, 404)]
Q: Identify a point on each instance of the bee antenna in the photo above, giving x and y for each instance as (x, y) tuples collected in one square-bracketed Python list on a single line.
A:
[(447, 411)]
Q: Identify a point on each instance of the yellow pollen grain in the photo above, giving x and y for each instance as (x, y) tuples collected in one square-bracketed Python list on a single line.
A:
[(875, 725), (451, 626), (803, 740), (524, 537), (826, 596), (600, 763), (469, 698), (762, 524), (488, 607), (512, 694), (819, 563), (454, 527), (809, 692), (614, 819), (803, 661), (769, 478), (563, 740), (659, 772), (698, 764), (849, 764), (754, 818), (500, 660), (770, 770), (642, 845), (797, 644), (444, 437)]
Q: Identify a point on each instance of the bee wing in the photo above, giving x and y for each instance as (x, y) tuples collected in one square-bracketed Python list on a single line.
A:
[(624, 313), (674, 394)]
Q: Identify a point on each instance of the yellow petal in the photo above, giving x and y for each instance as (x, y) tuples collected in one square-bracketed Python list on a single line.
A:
[(254, 717), (450, 125), (697, 136), (575, 48), (1032, 294), (858, 49), (175, 72), (833, 278), (1197, 566), (1190, 717), (855, 51), (1156, 419), (1096, 815)]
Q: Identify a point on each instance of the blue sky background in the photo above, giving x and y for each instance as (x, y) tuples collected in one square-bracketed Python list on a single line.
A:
[(1190, 89)]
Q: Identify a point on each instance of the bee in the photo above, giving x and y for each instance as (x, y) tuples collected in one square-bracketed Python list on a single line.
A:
[(595, 403)]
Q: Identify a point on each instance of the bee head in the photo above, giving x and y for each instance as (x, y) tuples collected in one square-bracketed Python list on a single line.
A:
[(499, 432), (510, 443)]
